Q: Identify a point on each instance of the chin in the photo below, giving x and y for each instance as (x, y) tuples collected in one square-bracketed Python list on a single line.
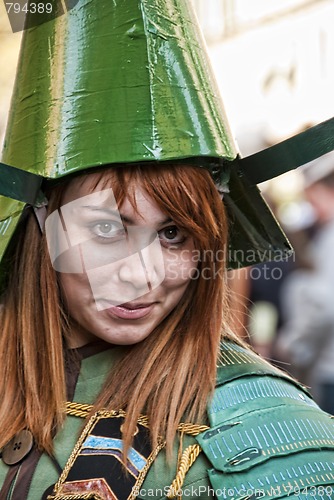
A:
[(127, 341), (127, 338)]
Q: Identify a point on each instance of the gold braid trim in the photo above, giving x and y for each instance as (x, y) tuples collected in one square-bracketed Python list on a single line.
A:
[(192, 429), (78, 409), (83, 411), (80, 496), (188, 458)]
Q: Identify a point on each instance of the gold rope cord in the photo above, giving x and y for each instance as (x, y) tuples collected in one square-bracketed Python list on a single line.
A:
[(188, 458)]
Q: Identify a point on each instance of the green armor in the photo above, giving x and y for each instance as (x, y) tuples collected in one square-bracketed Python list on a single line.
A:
[(268, 439)]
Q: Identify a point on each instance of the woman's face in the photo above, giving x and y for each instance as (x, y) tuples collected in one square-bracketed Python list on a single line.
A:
[(122, 270)]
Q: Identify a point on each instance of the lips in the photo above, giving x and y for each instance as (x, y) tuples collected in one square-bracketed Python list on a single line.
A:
[(131, 310)]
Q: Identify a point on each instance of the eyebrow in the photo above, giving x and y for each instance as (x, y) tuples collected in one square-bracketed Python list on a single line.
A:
[(127, 220), (106, 210)]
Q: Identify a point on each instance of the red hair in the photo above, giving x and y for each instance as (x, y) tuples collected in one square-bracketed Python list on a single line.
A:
[(173, 370)]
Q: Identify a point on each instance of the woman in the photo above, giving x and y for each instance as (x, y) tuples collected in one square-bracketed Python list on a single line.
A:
[(155, 354), (162, 331), (121, 378)]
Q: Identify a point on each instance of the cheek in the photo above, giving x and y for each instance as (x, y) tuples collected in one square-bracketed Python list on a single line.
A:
[(180, 268), (74, 287)]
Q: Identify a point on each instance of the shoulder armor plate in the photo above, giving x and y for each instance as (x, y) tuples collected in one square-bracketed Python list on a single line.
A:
[(268, 439)]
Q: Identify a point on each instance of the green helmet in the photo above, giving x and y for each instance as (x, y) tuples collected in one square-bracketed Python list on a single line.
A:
[(121, 82)]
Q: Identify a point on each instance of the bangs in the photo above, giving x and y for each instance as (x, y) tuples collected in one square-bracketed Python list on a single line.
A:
[(185, 193)]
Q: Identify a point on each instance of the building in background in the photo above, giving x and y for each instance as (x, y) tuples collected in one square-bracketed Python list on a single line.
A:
[(274, 63)]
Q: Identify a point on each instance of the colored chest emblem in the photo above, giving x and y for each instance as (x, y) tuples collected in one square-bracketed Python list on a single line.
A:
[(96, 468)]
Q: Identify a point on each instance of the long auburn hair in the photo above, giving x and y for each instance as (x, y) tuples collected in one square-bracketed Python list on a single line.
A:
[(169, 375)]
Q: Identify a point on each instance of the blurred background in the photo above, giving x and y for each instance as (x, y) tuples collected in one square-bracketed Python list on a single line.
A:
[(274, 63)]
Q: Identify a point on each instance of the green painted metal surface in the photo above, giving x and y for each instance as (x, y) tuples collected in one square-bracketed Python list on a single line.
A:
[(114, 82), (289, 154), (121, 82)]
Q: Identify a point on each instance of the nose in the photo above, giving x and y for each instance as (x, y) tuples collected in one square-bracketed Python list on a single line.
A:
[(150, 272), (133, 272), (153, 260), (126, 279)]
